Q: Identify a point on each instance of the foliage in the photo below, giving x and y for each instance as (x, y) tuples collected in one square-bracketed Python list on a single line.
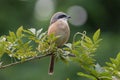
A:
[(114, 67), (19, 45)]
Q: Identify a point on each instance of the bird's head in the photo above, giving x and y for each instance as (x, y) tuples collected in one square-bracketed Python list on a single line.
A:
[(59, 15)]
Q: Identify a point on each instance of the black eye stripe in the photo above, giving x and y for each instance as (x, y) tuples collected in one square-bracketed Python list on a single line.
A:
[(61, 16)]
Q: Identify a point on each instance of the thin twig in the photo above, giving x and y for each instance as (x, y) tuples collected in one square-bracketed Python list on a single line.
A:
[(29, 59)]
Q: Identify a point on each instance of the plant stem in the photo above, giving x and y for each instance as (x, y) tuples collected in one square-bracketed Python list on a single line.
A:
[(29, 59)]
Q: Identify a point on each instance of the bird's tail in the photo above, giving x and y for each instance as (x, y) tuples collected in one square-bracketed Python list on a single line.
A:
[(51, 65)]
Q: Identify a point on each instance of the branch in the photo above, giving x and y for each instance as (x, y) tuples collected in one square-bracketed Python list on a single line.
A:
[(29, 59)]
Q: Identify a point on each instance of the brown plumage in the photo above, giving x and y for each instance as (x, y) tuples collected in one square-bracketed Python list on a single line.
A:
[(58, 27), (61, 29)]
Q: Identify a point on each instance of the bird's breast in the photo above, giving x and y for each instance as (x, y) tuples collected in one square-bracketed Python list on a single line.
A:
[(60, 28)]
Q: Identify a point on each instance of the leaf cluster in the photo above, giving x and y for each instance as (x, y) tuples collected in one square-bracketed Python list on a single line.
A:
[(28, 44), (113, 67)]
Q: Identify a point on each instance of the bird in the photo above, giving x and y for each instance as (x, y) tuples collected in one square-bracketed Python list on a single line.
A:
[(58, 27)]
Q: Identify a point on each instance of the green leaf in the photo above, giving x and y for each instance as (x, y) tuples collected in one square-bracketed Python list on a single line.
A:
[(19, 31), (77, 43), (86, 45), (75, 52), (1, 64), (28, 32), (68, 79), (69, 45), (42, 35), (88, 40), (33, 30), (98, 68), (39, 32), (96, 35), (12, 37), (2, 45), (114, 66), (86, 75), (118, 56)]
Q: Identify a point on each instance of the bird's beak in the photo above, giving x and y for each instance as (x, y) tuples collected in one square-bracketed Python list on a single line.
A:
[(68, 17)]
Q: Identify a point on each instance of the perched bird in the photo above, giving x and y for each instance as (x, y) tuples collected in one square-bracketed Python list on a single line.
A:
[(59, 27)]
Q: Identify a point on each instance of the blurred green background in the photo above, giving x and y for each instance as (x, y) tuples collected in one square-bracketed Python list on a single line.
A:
[(86, 15)]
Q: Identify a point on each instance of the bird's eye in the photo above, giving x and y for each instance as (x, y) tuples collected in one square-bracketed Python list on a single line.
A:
[(61, 16)]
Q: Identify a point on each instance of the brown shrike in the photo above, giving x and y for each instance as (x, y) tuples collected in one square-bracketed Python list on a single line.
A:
[(58, 27)]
